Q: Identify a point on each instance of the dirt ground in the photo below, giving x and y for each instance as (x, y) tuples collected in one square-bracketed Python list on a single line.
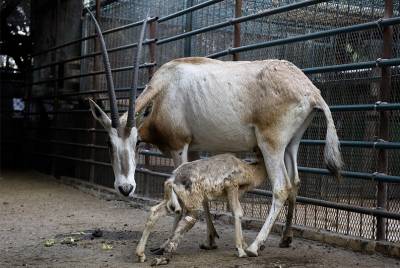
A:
[(34, 209)]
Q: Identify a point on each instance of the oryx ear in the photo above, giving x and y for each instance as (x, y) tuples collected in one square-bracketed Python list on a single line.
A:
[(99, 115)]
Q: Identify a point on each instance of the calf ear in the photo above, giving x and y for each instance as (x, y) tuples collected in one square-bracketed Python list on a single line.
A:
[(99, 115)]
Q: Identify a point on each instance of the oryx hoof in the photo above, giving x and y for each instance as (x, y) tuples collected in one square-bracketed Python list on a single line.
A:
[(160, 261), (157, 251), (206, 246), (252, 251), (285, 242), (241, 253)]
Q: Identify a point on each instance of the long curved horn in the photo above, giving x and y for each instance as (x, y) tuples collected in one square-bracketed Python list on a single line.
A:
[(131, 122), (107, 67)]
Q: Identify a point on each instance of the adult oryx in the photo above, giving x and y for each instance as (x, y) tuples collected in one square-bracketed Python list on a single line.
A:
[(201, 104)]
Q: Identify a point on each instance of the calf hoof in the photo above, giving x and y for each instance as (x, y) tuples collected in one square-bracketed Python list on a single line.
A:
[(160, 261), (285, 242), (207, 247), (141, 257), (157, 251), (251, 251)]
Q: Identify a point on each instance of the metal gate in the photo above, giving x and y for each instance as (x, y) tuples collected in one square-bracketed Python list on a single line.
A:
[(350, 49)]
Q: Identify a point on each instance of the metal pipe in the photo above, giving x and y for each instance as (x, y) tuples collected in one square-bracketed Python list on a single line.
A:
[(116, 29), (358, 144), (188, 10), (187, 51), (93, 54), (330, 204), (152, 47), (86, 92), (305, 37), (236, 29), (335, 108), (120, 69), (384, 119)]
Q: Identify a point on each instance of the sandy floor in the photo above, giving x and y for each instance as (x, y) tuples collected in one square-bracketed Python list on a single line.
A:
[(34, 208)]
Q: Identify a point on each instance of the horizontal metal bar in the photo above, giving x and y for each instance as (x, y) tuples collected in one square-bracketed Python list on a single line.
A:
[(116, 29), (120, 69), (154, 173), (318, 202), (121, 111), (86, 92), (74, 144), (188, 10), (334, 108), (353, 66), (88, 161), (305, 37), (70, 129), (320, 171), (353, 174), (353, 144), (93, 54), (233, 21), (365, 107), (358, 144)]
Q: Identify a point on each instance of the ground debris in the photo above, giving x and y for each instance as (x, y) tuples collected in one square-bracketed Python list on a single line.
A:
[(106, 246), (69, 241), (49, 242)]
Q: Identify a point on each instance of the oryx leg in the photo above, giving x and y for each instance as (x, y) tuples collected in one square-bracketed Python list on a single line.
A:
[(237, 212), (155, 213), (184, 225), (273, 154), (291, 167)]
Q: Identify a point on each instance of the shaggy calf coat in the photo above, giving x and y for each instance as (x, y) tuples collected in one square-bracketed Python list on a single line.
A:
[(192, 184)]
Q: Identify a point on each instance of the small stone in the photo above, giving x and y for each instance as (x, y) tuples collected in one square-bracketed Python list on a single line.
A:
[(5, 203)]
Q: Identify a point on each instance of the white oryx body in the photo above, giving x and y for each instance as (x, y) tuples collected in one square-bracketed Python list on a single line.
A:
[(216, 106)]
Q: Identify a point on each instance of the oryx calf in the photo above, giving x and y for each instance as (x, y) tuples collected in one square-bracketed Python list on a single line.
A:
[(194, 183)]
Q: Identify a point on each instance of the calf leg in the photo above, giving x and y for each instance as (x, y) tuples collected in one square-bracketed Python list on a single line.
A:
[(237, 211), (155, 213), (161, 249), (184, 225), (211, 232), (287, 234), (179, 157), (281, 186)]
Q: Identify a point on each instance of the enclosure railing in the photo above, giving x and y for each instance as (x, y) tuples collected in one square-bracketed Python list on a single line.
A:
[(52, 139)]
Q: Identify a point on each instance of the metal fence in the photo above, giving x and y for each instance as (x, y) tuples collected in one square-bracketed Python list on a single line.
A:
[(350, 49)]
